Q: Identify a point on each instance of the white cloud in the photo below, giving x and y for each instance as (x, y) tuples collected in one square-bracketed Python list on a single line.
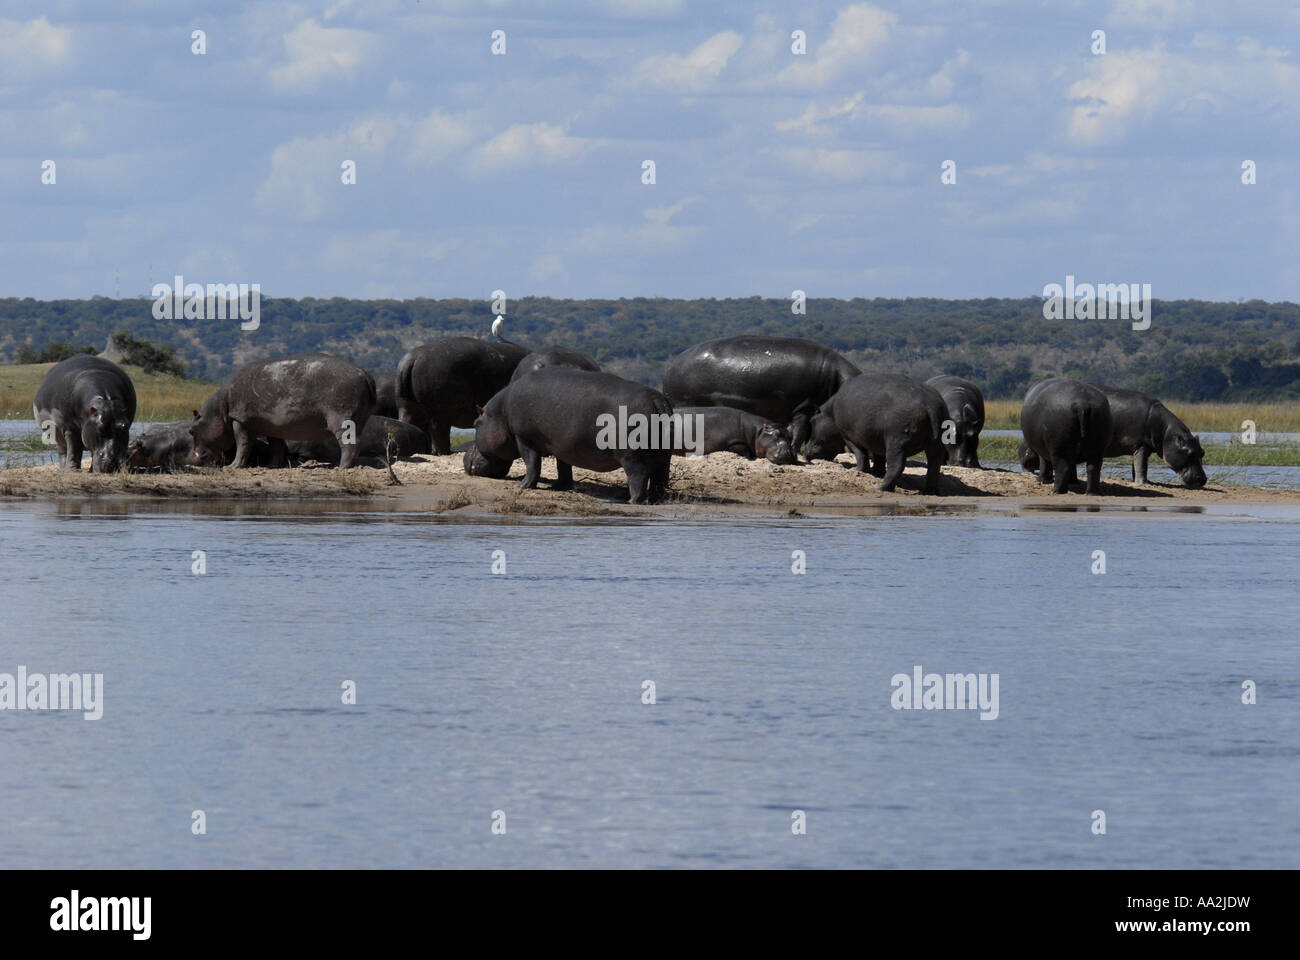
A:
[(858, 31), (32, 44), (813, 116), (526, 143), (437, 136), (661, 215), (702, 65), (841, 165), (317, 54)]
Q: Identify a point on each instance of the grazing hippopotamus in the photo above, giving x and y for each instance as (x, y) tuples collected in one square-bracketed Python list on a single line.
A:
[(477, 465), (1141, 425), (554, 357), (783, 379), (595, 421), (90, 402), (885, 418), (1028, 459), (1066, 422), (966, 410), (386, 396), (307, 396), (725, 428), (824, 439), (383, 439), (162, 446), (443, 385)]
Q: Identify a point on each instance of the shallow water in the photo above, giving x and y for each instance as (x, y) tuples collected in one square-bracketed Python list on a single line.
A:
[(522, 692)]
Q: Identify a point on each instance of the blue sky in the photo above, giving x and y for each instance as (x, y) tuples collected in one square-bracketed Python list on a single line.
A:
[(774, 171)]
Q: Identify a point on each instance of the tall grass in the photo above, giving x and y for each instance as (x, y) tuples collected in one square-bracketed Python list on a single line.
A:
[(1206, 417), (158, 397)]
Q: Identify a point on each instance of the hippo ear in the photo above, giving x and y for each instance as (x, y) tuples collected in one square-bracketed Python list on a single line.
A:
[(197, 415), (479, 409), (967, 412)]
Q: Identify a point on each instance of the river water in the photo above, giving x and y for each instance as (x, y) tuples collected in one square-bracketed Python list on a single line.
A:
[(518, 697)]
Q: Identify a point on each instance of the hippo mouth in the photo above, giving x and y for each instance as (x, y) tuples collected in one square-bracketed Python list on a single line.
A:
[(1192, 479)]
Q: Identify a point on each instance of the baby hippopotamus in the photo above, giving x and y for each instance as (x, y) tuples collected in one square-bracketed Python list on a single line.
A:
[(595, 421), (383, 439), (162, 446), (89, 402), (712, 429)]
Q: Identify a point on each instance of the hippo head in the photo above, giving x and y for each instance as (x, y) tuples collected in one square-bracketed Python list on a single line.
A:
[(773, 442), (494, 450), (477, 465), (105, 432), (824, 439), (211, 429), (1183, 452), (1028, 459), (962, 453), (137, 458)]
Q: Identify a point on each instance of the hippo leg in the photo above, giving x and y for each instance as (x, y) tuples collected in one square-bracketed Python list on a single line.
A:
[(933, 460), (1140, 456), (243, 446), (895, 461), (563, 476), (532, 466), (659, 479), (440, 437), (877, 468), (800, 430), (1044, 470), (70, 454), (1094, 477), (859, 455), (637, 480), (1064, 471), (279, 453)]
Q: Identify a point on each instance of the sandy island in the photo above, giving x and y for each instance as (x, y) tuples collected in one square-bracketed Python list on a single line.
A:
[(719, 485)]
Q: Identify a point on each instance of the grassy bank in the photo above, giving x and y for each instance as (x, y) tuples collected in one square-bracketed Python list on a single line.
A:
[(158, 397), (1206, 417), (1216, 454)]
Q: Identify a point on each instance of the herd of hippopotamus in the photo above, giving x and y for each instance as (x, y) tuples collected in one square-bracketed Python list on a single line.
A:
[(769, 397)]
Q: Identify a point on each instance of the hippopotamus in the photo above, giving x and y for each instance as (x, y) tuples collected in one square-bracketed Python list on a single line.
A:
[(1066, 422), (966, 410), (554, 357), (443, 385), (90, 402), (383, 439), (386, 396), (595, 421), (783, 379), (306, 396), (477, 465), (885, 418), (824, 439), (162, 446), (1141, 425), (725, 428)]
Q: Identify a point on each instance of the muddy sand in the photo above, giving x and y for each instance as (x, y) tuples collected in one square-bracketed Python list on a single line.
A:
[(721, 484)]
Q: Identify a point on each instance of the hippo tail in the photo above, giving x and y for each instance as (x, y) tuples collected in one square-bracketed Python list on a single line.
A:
[(936, 425), (372, 391), (1083, 413), (402, 382)]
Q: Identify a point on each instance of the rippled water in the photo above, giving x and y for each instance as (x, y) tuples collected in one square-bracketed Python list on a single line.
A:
[(522, 692)]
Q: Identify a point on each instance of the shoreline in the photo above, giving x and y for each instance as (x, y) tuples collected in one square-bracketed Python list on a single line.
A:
[(716, 487)]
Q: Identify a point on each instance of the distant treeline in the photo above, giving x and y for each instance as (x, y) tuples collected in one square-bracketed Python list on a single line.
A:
[(1194, 350)]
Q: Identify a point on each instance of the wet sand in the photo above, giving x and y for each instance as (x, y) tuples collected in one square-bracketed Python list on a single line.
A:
[(719, 485)]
